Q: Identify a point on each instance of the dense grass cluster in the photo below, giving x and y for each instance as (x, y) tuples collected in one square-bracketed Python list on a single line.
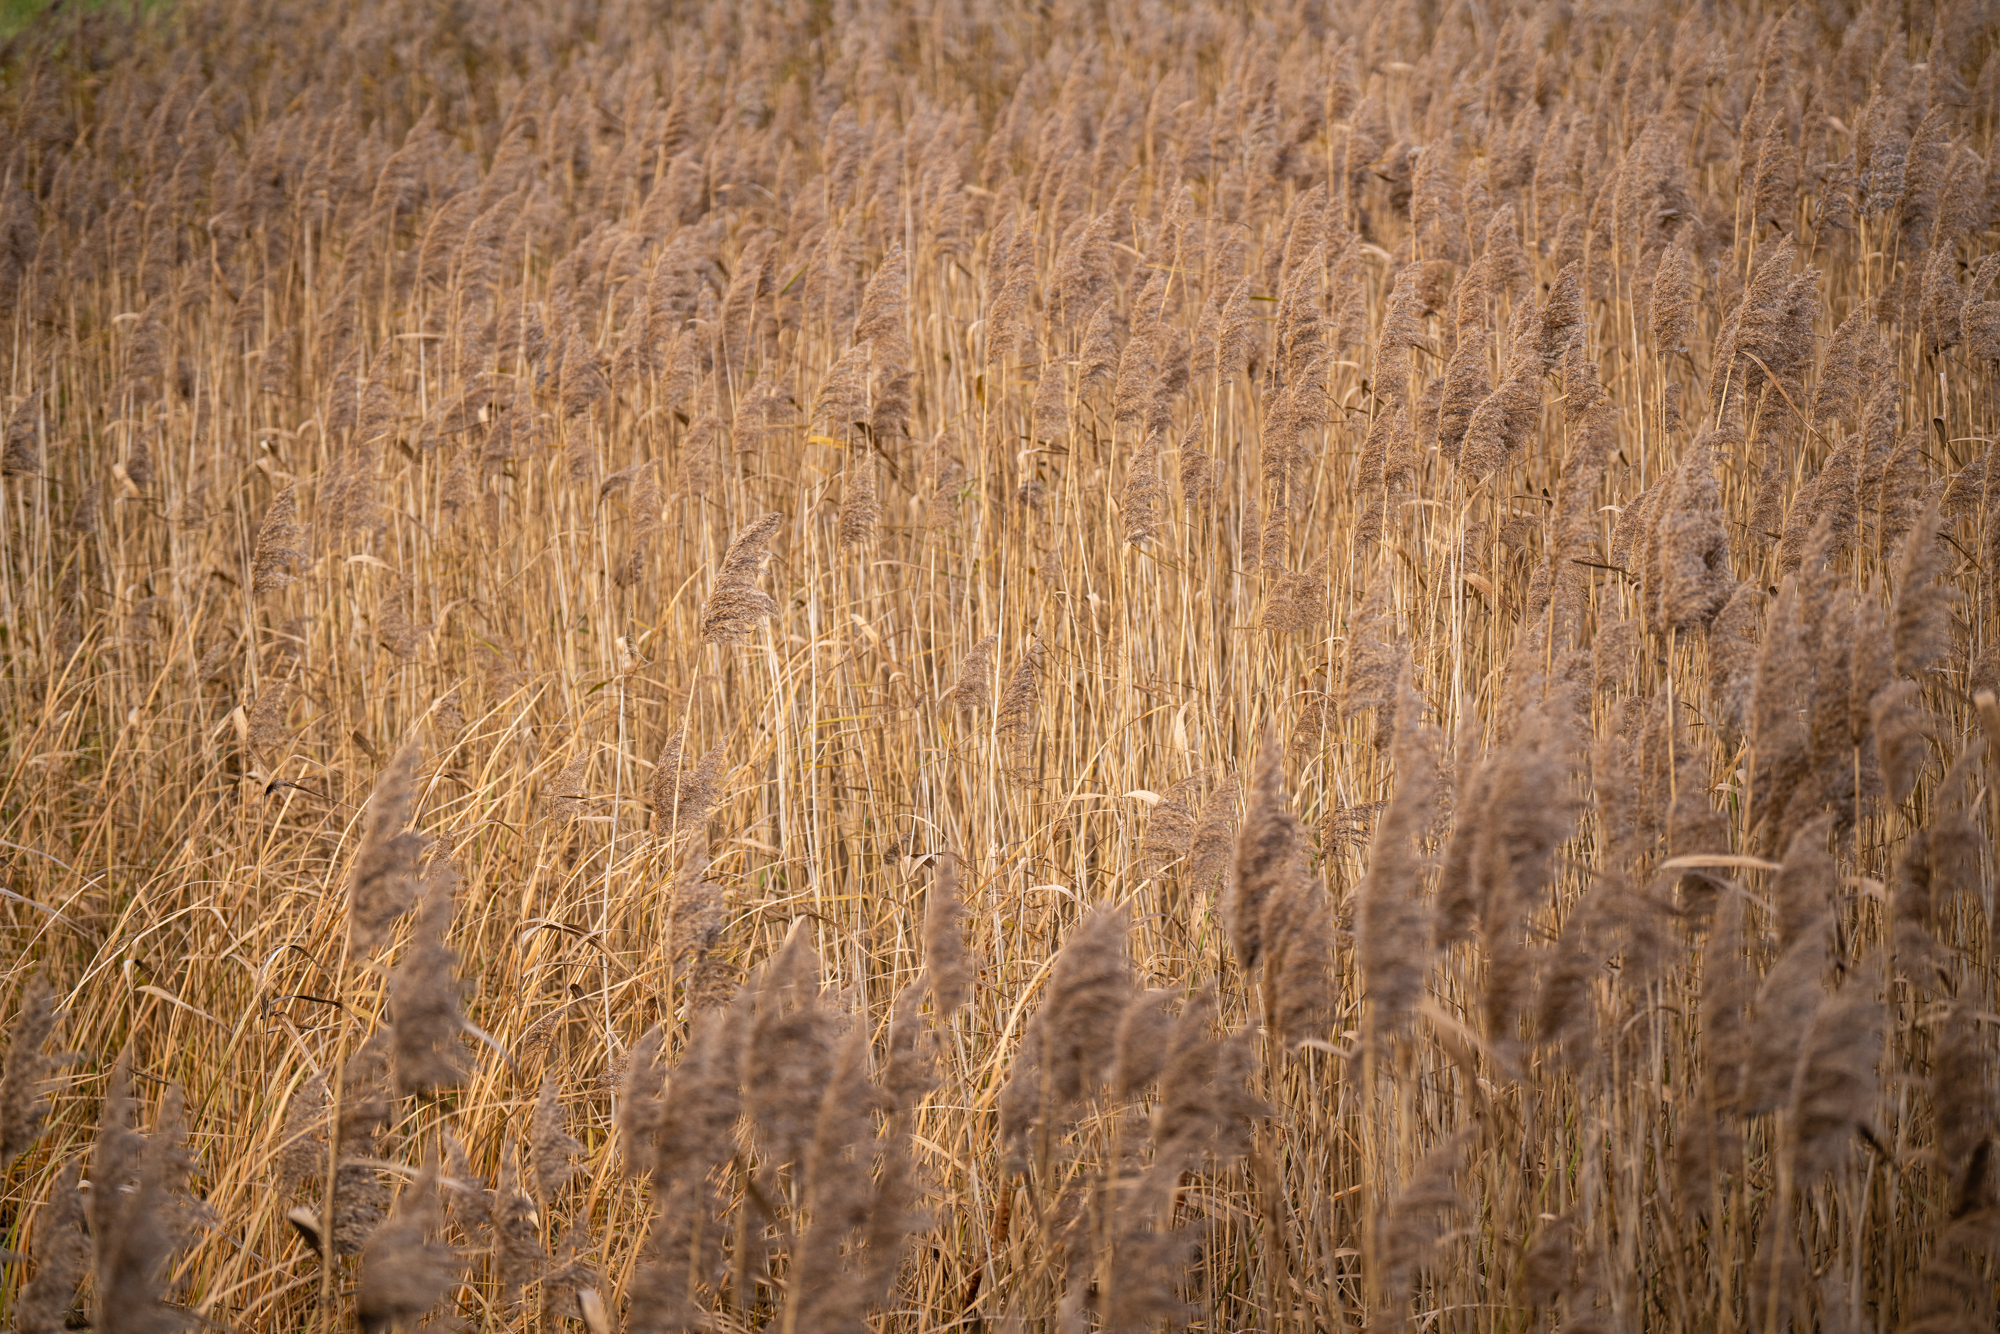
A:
[(919, 666)]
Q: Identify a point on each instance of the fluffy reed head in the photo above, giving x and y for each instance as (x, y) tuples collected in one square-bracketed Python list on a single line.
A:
[(1089, 988), (383, 883), (974, 687), (947, 963), (405, 1270), (424, 1007), (735, 605), (138, 1212), (24, 1107), (1265, 848)]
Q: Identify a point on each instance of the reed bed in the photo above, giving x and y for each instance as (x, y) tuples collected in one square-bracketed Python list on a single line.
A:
[(924, 666)]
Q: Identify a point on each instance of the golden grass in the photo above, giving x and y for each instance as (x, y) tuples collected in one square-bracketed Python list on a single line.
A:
[(1528, 467)]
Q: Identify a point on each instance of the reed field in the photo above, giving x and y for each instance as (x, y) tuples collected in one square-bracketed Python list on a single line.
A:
[(917, 665)]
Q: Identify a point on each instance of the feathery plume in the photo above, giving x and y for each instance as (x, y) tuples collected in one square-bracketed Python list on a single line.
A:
[(1144, 1033), (23, 1104), (1693, 540), (1413, 1224), (302, 1148), (137, 1211), (909, 1071), (1920, 618), (279, 542), (684, 798), (1139, 502), (405, 1271), (62, 1259), (1212, 845), (1170, 829), (424, 996), (516, 1231), (842, 399), (974, 687), (550, 1147), (20, 441), (859, 507), (383, 883), (1390, 927), (947, 963), (1020, 707), (641, 1105), (1298, 929), (735, 605), (1205, 1106), (1089, 988), (791, 1056), (1097, 361), (1266, 845), (880, 322), (697, 1128)]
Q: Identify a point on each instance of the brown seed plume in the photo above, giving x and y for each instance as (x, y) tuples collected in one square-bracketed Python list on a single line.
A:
[(880, 321), (1089, 989), (383, 883), (1920, 619), (683, 799), (302, 1146), (947, 962), (1213, 842), (1833, 1090), (1693, 539), (974, 687), (20, 441), (1673, 296), (1019, 1106), (62, 1259), (641, 1104), (1392, 933), (1298, 929), (790, 1056), (1265, 847), (1170, 829), (424, 996), (860, 510), (360, 1200), (1144, 1031), (910, 1067), (572, 1289), (735, 605), (1139, 502), (23, 1105), (697, 1128), (1020, 708), (138, 1212), (1414, 1222), (550, 1147), (1779, 739), (405, 1270), (1206, 1106), (1098, 361), (279, 548), (517, 1240)]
